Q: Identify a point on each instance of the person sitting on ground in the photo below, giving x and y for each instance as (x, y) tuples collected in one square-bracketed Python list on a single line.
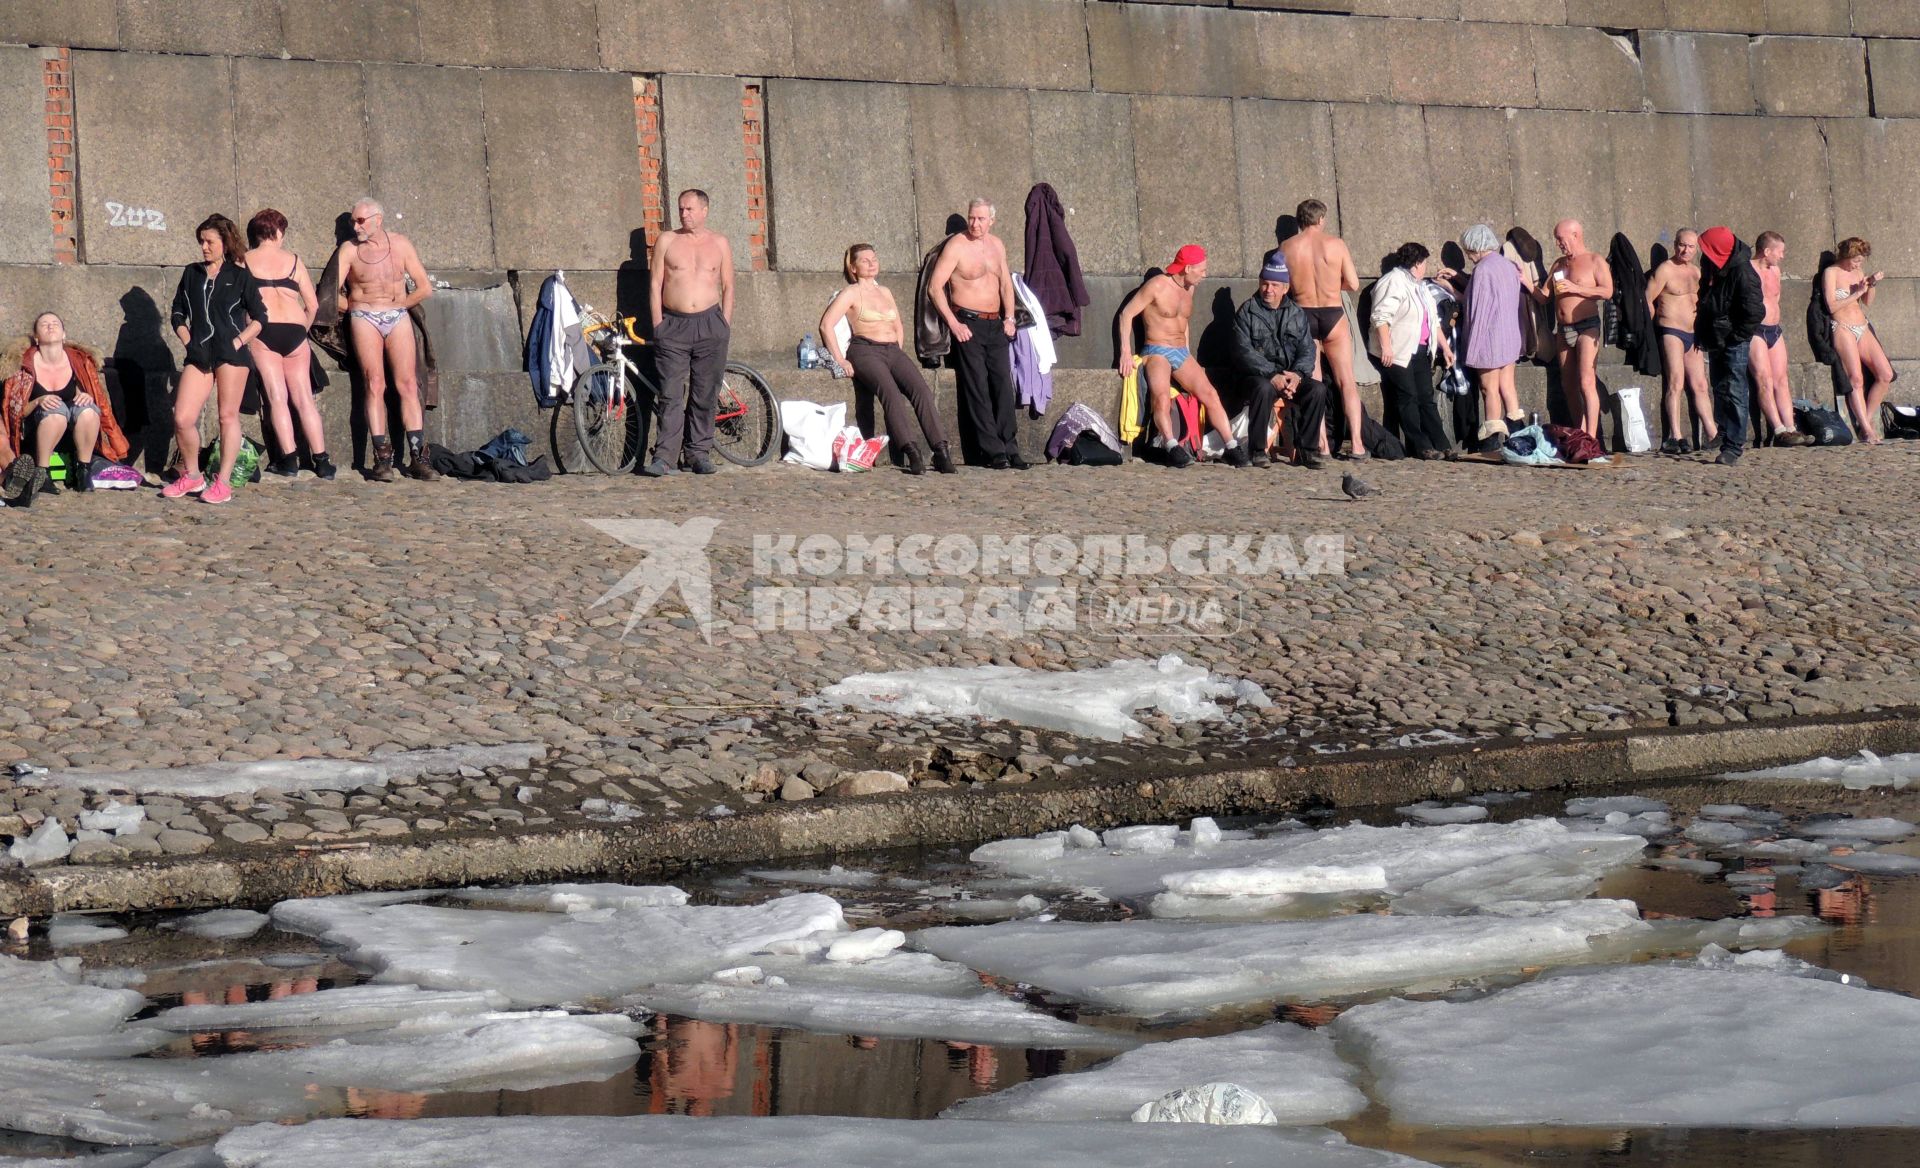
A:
[(55, 393), (877, 363), (217, 311), (280, 352), (1673, 299), (1166, 303), (1274, 349), (1406, 333), (1578, 284), (1496, 304), (1848, 293)]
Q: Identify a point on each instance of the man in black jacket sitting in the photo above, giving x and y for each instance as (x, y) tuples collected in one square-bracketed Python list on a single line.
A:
[(1731, 310), (1275, 355)]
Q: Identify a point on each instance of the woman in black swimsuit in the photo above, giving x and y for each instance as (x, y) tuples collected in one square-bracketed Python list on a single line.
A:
[(216, 312), (280, 352)]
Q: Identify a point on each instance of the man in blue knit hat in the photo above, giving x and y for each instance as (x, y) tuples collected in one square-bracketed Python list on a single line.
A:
[(1274, 353)]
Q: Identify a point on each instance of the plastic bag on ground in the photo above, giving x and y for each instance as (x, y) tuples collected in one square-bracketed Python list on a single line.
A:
[(853, 452), (1633, 420), (1216, 1103), (810, 429)]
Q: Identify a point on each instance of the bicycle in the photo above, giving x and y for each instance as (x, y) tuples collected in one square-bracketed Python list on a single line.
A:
[(606, 412)]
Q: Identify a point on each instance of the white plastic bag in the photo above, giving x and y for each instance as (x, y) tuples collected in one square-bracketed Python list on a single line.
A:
[(853, 452), (1213, 446), (1633, 420), (811, 429)]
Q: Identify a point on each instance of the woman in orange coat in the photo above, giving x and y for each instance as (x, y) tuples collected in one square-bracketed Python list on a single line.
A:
[(54, 392)]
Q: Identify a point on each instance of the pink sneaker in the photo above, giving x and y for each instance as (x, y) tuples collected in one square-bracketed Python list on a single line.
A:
[(217, 492), (183, 486)]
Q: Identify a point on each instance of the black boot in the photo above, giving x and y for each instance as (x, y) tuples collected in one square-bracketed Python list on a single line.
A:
[(943, 459), (323, 466), (916, 461)]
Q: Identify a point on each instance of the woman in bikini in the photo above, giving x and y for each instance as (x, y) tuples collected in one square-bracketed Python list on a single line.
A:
[(1848, 294), (877, 363), (280, 352), (216, 313)]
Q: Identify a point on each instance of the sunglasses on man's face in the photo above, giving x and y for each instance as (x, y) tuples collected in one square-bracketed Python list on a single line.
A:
[(359, 219)]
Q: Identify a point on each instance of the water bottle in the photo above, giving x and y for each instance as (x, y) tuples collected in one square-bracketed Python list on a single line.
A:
[(1533, 419), (808, 356)]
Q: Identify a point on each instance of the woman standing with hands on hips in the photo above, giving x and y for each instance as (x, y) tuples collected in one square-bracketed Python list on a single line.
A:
[(217, 311)]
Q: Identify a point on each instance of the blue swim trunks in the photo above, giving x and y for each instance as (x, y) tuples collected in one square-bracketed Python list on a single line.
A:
[(1174, 357)]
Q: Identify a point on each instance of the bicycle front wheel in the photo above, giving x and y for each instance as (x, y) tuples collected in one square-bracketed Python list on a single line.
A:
[(746, 417), (606, 417)]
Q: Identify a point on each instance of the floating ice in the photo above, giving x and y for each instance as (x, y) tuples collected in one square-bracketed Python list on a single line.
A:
[(1877, 863), (833, 876), (1880, 830), (573, 897), (990, 909), (118, 818), (1741, 811), (46, 999), (1648, 1045), (1094, 703), (789, 1141), (1713, 832), (1221, 1104), (223, 924), (1155, 967), (865, 945), (547, 958), (1684, 864), (1276, 881), (214, 780), (1602, 806), (113, 1045), (1438, 813), (47, 844), (67, 930), (360, 1007), (1293, 1069), (1857, 773)]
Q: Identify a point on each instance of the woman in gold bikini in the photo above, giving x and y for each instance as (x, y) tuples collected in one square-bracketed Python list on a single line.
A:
[(1848, 294), (877, 363)]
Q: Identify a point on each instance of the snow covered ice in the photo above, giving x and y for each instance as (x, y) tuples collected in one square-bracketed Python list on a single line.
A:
[(1857, 773), (790, 1142), (1432, 812), (359, 1007), (1093, 703), (573, 897), (223, 924), (1293, 1069), (1648, 1045), (218, 779), (47, 999), (1877, 830)]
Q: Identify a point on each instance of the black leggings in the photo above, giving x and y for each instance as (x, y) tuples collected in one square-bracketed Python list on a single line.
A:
[(890, 373), (1412, 388)]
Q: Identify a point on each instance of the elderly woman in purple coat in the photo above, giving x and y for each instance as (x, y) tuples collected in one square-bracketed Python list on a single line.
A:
[(1495, 304)]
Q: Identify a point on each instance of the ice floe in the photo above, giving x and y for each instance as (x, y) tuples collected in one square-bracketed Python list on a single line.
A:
[(1293, 1069), (1877, 863), (1856, 773), (568, 898), (789, 1141), (1094, 703), (47, 999), (1648, 1045), (67, 930), (223, 924), (217, 779), (1877, 830), (1436, 813), (360, 1007)]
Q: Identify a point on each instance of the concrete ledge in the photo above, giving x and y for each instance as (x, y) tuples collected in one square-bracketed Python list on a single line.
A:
[(660, 849)]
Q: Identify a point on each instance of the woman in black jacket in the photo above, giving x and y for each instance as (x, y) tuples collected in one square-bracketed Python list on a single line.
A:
[(216, 310)]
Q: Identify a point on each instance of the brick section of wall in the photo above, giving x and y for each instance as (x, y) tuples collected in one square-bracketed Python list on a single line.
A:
[(753, 141), (646, 125), (58, 74)]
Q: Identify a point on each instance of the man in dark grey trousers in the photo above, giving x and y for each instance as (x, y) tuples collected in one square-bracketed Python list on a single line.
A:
[(692, 322)]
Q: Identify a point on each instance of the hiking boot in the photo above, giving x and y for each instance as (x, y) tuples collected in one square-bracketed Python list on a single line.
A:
[(80, 478), (943, 459), (286, 466), (420, 470), (1237, 456), (1179, 457), (47, 485), (701, 464), (21, 482), (382, 471), (916, 461), (323, 466)]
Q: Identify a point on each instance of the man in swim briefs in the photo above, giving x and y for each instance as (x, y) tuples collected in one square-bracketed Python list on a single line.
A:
[(380, 278), (1166, 304), (1769, 345), (1673, 298), (1578, 284), (1322, 269)]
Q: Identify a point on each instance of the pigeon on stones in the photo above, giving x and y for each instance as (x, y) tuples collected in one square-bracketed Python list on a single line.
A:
[(1355, 488)]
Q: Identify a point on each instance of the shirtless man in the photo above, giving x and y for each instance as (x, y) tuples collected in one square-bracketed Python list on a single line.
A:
[(1577, 284), (1322, 269), (380, 278), (1769, 345), (972, 288), (1167, 304), (1673, 297), (692, 322)]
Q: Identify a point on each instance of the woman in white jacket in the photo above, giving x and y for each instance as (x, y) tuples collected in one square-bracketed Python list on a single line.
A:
[(1406, 333)]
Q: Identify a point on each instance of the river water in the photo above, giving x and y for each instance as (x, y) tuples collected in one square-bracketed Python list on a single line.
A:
[(692, 1067)]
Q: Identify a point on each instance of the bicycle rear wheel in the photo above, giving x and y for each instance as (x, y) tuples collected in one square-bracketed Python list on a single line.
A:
[(606, 417), (746, 417)]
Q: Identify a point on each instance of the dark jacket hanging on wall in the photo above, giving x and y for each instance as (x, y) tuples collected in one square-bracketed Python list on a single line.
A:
[(932, 340), (1053, 263), (1637, 338)]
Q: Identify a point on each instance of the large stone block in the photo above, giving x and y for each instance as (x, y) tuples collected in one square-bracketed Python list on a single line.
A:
[(700, 120), (305, 158), (1652, 165), (1563, 168), (1747, 16), (1304, 57), (1515, 11), (1422, 9), (1584, 68), (1895, 67), (1210, 52), (1738, 178), (79, 24), (1810, 75), (875, 40), (1176, 140), (353, 30), (26, 233), (427, 146), (1386, 196), (131, 110), (746, 38), (1697, 73), (563, 174), (1811, 17), (245, 28), (1083, 145), (1285, 151), (1465, 148), (1435, 62), (1860, 151), (1022, 44), (1618, 13), (773, 310), (826, 185), (524, 34), (1880, 18), (967, 131)]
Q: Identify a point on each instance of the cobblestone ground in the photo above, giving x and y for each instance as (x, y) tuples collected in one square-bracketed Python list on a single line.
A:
[(312, 619)]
